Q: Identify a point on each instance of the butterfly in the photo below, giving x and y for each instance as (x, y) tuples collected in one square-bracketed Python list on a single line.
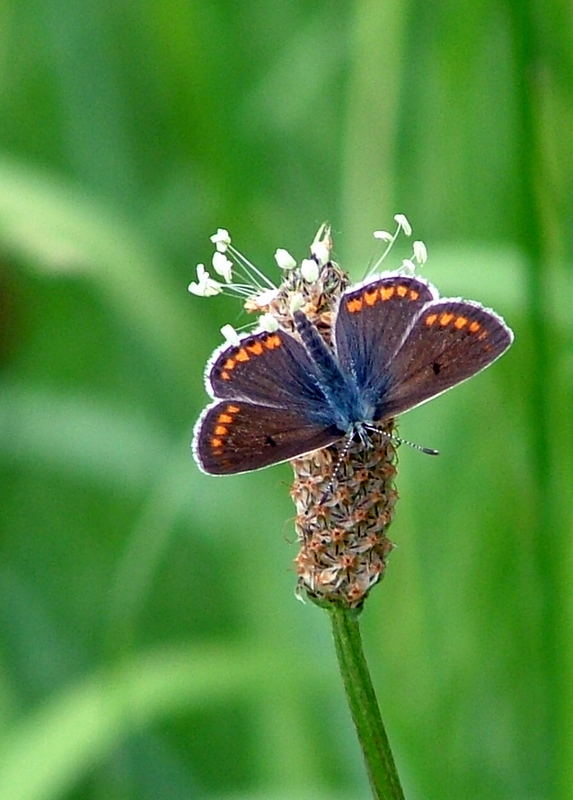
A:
[(396, 343)]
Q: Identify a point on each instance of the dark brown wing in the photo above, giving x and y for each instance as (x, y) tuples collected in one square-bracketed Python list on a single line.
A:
[(236, 436), (371, 323), (272, 369), (450, 341)]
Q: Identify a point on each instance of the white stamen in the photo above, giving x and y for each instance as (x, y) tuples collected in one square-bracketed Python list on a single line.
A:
[(420, 252), (264, 298), (204, 286), (268, 322), (402, 221), (230, 334), (321, 252), (309, 270), (284, 259), (221, 239), (389, 238), (222, 266), (408, 266), (254, 274), (385, 236)]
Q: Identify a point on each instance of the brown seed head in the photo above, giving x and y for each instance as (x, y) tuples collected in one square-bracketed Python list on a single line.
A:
[(342, 517)]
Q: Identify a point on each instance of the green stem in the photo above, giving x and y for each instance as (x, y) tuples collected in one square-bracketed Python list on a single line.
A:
[(364, 705)]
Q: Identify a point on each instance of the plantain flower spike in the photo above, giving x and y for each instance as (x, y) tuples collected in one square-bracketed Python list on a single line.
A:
[(344, 494)]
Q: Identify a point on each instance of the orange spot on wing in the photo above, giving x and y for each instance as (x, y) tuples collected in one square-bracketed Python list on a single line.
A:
[(272, 341), (371, 297), (216, 442), (229, 363), (460, 322), (386, 293), (233, 409), (482, 335), (225, 376), (402, 291), (242, 355), (413, 294), (224, 418), (354, 305), (431, 318), (475, 326), (446, 318), (220, 430), (256, 348)]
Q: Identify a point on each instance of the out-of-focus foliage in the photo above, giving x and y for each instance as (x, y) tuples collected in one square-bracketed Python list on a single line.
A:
[(151, 644)]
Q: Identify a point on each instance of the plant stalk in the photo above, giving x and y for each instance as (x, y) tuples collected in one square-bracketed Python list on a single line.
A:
[(364, 705)]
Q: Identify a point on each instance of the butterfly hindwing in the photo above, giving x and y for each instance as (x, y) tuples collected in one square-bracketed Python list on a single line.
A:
[(450, 341), (236, 436)]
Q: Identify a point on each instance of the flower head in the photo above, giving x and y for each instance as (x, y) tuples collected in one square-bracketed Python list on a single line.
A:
[(344, 492)]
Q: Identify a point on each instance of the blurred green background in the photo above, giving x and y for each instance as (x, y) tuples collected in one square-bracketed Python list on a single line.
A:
[(151, 643)]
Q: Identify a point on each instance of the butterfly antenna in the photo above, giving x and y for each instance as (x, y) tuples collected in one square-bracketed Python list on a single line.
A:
[(398, 439)]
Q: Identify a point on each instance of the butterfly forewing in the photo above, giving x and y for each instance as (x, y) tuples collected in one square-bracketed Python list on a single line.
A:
[(450, 341), (371, 323), (236, 436), (268, 368)]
